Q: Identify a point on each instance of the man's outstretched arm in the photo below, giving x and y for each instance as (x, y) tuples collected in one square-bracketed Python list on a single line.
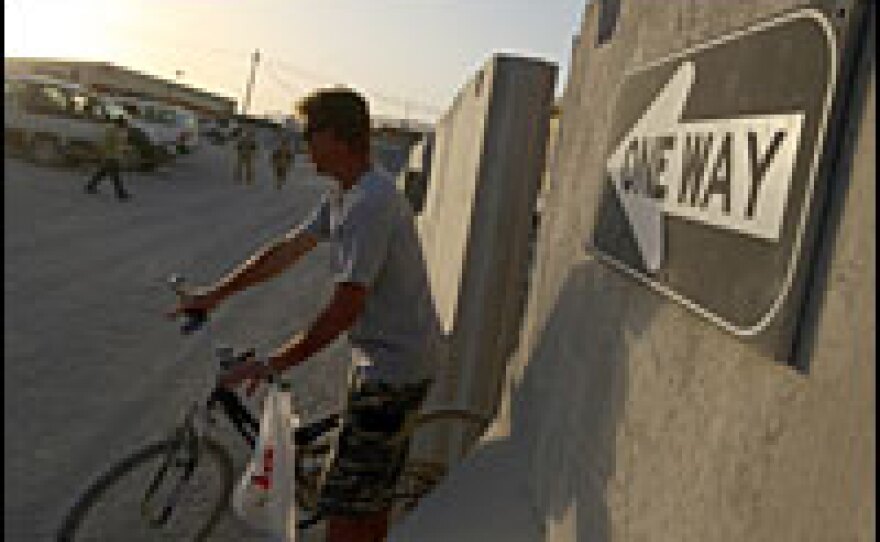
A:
[(269, 261), (266, 263), (342, 312)]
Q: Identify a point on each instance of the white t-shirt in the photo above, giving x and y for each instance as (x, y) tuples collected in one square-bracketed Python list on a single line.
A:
[(373, 225)]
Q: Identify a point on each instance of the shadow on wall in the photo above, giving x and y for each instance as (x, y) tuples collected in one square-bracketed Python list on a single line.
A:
[(572, 395), (551, 473)]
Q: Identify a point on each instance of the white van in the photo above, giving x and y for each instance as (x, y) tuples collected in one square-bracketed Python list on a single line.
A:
[(174, 128), (188, 137), (55, 122), (219, 131)]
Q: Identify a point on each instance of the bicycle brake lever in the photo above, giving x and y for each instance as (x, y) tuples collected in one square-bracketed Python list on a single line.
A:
[(193, 320)]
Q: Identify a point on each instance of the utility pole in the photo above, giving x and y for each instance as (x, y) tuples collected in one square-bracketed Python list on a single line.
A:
[(405, 114), (171, 90), (255, 59)]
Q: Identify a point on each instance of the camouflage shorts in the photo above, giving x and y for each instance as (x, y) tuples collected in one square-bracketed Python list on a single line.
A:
[(361, 476)]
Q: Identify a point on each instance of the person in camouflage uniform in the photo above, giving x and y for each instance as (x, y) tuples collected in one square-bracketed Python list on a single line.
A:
[(113, 145), (282, 157), (246, 148)]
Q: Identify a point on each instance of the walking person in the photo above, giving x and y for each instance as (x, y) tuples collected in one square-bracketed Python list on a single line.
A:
[(246, 148), (282, 156), (382, 300), (114, 142)]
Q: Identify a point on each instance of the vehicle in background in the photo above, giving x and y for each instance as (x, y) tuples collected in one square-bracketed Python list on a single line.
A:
[(414, 177), (205, 127), (173, 128), (391, 156), (219, 131), (188, 136), (54, 122)]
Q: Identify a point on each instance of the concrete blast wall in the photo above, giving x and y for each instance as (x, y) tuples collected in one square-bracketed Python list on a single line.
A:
[(487, 160), (626, 415)]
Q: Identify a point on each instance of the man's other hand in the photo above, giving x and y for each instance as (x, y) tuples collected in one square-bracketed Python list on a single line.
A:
[(250, 370)]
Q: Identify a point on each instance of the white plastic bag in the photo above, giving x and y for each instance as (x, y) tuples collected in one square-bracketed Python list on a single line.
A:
[(264, 497)]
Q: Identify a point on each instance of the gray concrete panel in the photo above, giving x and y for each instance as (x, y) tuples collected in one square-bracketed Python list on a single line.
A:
[(487, 162)]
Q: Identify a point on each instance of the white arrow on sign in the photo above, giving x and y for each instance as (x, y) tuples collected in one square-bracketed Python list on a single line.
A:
[(732, 173)]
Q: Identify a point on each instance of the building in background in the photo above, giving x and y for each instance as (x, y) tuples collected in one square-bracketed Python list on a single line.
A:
[(107, 78)]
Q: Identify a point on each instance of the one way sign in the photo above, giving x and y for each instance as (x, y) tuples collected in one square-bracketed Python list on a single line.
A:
[(710, 171), (712, 167)]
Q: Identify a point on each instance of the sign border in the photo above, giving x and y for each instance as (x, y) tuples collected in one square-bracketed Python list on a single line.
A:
[(818, 149)]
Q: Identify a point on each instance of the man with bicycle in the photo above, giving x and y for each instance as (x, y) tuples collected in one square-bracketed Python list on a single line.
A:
[(382, 299)]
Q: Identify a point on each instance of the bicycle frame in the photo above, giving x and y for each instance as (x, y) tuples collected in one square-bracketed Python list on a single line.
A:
[(185, 442), (188, 437), (197, 420)]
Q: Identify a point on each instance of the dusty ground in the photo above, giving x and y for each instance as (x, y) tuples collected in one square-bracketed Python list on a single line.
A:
[(91, 366)]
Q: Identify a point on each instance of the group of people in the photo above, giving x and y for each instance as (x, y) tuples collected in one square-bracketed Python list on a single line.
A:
[(282, 157), (115, 140)]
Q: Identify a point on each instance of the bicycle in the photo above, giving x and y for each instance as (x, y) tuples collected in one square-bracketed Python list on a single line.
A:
[(192, 467)]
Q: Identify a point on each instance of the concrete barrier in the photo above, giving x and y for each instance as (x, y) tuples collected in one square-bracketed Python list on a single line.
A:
[(626, 415), (487, 161)]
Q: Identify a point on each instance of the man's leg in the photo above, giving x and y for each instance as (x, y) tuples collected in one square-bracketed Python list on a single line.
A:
[(365, 528), (239, 163), (92, 185), (115, 171), (375, 409), (249, 171)]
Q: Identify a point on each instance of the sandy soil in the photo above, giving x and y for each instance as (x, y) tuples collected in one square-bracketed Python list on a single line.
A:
[(91, 366)]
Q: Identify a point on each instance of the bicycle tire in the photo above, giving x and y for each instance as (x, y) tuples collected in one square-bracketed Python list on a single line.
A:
[(417, 479), (79, 514)]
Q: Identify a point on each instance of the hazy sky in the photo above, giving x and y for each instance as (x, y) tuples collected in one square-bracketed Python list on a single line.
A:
[(414, 51)]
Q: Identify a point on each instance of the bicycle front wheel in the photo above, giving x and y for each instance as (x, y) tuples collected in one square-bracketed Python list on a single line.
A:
[(110, 509)]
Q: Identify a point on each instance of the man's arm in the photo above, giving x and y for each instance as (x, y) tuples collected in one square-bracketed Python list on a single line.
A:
[(265, 264), (342, 312), (338, 316)]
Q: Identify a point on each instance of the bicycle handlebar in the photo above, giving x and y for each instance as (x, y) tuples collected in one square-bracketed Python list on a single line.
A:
[(193, 320)]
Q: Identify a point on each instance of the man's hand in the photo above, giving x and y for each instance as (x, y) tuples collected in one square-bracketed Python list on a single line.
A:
[(251, 370), (201, 300)]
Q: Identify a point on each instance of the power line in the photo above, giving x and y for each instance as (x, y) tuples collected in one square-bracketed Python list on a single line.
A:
[(406, 103), (226, 55), (280, 81), (305, 72)]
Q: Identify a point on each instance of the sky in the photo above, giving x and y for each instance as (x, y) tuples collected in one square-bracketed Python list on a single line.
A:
[(409, 57)]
